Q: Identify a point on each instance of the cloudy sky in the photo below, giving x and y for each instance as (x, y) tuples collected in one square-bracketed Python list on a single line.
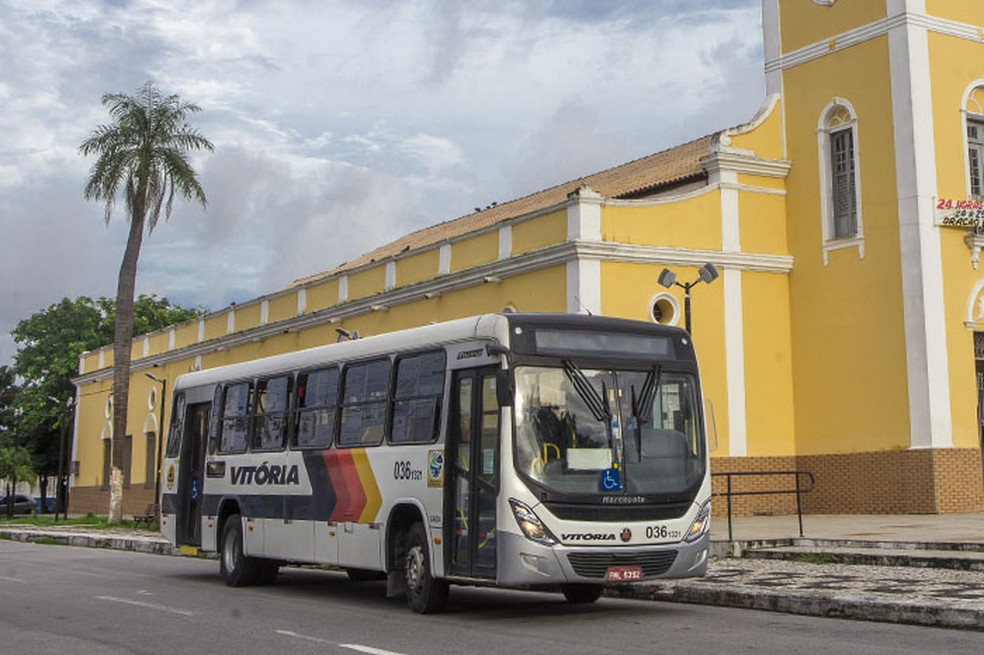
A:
[(338, 125)]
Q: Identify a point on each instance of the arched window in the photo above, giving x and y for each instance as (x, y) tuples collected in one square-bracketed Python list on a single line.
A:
[(973, 113), (840, 177)]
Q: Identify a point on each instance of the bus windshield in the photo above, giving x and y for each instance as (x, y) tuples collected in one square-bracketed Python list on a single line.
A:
[(604, 431)]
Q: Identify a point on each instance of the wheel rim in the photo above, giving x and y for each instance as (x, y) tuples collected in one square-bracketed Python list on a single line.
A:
[(230, 552), (416, 569)]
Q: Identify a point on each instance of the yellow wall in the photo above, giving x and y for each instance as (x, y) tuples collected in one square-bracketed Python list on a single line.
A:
[(321, 295), (417, 268), (90, 418), (368, 282), (765, 139), (539, 232), (186, 334), (955, 66), (691, 223), (769, 415), (847, 322), (282, 306), (475, 251), (762, 223), (964, 11), (804, 22)]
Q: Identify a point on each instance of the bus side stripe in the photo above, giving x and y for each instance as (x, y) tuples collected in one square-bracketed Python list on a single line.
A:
[(373, 499)]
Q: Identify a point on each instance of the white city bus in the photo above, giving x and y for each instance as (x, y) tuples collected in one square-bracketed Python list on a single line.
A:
[(534, 451)]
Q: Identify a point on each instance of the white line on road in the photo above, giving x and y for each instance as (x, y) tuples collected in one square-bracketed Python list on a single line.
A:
[(153, 606), (2, 577), (369, 650)]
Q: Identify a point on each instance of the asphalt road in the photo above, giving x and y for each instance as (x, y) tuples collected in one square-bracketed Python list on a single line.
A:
[(56, 599)]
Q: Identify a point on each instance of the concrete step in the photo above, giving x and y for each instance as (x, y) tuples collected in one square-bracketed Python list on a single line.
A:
[(946, 555)]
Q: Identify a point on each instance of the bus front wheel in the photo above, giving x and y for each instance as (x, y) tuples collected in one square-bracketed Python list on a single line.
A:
[(425, 594), (238, 570)]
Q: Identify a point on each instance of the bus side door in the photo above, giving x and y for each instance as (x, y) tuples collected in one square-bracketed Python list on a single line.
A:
[(191, 474), (473, 446)]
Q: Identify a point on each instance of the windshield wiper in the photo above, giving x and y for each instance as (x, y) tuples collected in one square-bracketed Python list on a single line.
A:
[(598, 405), (647, 396)]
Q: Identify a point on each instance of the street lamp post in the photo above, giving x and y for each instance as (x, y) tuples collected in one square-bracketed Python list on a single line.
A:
[(160, 437), (667, 278), (60, 500)]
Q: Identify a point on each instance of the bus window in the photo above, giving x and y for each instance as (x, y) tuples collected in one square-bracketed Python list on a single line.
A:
[(317, 396), (365, 393), (417, 398), (177, 427), (235, 417), (270, 421)]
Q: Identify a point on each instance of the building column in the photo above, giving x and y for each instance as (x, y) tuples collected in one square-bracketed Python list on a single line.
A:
[(584, 275), (927, 369)]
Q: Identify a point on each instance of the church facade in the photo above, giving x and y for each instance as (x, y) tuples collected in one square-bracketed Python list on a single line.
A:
[(844, 337)]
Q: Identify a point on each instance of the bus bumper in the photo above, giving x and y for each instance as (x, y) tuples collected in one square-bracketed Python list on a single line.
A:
[(524, 563)]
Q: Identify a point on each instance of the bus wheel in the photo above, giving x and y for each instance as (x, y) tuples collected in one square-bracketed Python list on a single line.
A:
[(425, 594), (582, 593), (238, 570), (268, 570)]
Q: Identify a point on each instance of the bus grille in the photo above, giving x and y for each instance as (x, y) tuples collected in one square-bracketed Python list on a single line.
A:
[(595, 565), (617, 513)]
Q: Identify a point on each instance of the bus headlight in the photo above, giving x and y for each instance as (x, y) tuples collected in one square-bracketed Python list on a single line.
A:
[(701, 524), (530, 524)]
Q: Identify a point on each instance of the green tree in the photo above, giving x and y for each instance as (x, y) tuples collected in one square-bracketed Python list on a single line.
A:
[(142, 155), (49, 344)]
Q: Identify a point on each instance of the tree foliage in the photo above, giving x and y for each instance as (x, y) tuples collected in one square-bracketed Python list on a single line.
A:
[(143, 156), (48, 347)]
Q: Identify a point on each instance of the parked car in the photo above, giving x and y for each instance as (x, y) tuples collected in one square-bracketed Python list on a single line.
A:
[(22, 505)]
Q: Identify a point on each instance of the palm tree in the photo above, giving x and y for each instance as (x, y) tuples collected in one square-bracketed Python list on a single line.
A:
[(142, 155)]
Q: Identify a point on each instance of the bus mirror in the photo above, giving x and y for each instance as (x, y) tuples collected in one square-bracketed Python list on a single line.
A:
[(504, 391)]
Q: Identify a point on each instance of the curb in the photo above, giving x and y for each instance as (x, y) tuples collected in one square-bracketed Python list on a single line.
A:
[(845, 606), (82, 540)]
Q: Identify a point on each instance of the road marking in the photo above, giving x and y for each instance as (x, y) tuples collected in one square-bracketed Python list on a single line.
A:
[(153, 606), (369, 650), (2, 577)]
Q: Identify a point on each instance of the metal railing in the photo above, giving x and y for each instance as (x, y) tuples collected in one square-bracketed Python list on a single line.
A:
[(797, 489)]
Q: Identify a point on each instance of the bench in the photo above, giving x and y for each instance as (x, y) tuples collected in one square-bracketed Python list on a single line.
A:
[(149, 515)]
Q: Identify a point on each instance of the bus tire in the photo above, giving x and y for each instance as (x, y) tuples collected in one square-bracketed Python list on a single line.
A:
[(582, 593), (425, 593), (237, 569)]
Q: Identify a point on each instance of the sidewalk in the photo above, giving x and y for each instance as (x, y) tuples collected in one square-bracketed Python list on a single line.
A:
[(915, 593)]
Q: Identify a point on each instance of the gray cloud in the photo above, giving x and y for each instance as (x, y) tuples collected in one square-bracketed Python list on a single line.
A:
[(339, 125)]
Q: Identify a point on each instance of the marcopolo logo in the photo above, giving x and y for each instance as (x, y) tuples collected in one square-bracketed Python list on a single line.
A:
[(469, 354), (265, 474), (587, 536)]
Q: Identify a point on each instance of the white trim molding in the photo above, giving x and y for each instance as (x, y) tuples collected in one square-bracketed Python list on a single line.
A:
[(734, 354), (927, 369), (584, 286)]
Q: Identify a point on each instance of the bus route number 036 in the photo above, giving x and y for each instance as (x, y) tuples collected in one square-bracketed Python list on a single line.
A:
[(403, 470)]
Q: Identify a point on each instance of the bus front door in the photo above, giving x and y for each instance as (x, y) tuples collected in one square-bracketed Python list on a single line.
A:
[(474, 470), (191, 474)]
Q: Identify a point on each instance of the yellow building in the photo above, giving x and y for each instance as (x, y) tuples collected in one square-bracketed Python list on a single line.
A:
[(842, 338)]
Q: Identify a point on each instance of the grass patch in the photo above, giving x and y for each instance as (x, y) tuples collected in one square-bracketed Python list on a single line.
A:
[(89, 521), (48, 541)]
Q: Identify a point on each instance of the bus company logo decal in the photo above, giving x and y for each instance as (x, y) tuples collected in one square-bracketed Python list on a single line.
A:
[(587, 536), (266, 474), (626, 535), (471, 354)]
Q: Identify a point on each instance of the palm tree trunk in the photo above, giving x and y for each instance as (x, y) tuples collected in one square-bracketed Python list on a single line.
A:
[(122, 344)]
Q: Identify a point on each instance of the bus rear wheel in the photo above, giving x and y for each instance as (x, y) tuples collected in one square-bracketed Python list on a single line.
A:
[(237, 569), (582, 593), (425, 593)]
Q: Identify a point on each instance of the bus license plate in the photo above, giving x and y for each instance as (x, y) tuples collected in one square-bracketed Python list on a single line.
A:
[(624, 573)]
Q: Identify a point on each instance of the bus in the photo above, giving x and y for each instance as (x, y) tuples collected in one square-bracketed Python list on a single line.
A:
[(535, 451)]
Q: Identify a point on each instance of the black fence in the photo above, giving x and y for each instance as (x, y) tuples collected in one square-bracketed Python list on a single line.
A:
[(797, 489)]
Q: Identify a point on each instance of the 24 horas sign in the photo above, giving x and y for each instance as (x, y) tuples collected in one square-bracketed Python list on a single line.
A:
[(960, 213)]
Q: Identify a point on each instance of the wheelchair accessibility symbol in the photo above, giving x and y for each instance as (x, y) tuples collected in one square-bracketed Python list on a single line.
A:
[(611, 480)]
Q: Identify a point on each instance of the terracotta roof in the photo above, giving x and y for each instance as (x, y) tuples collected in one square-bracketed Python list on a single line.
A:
[(626, 180)]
